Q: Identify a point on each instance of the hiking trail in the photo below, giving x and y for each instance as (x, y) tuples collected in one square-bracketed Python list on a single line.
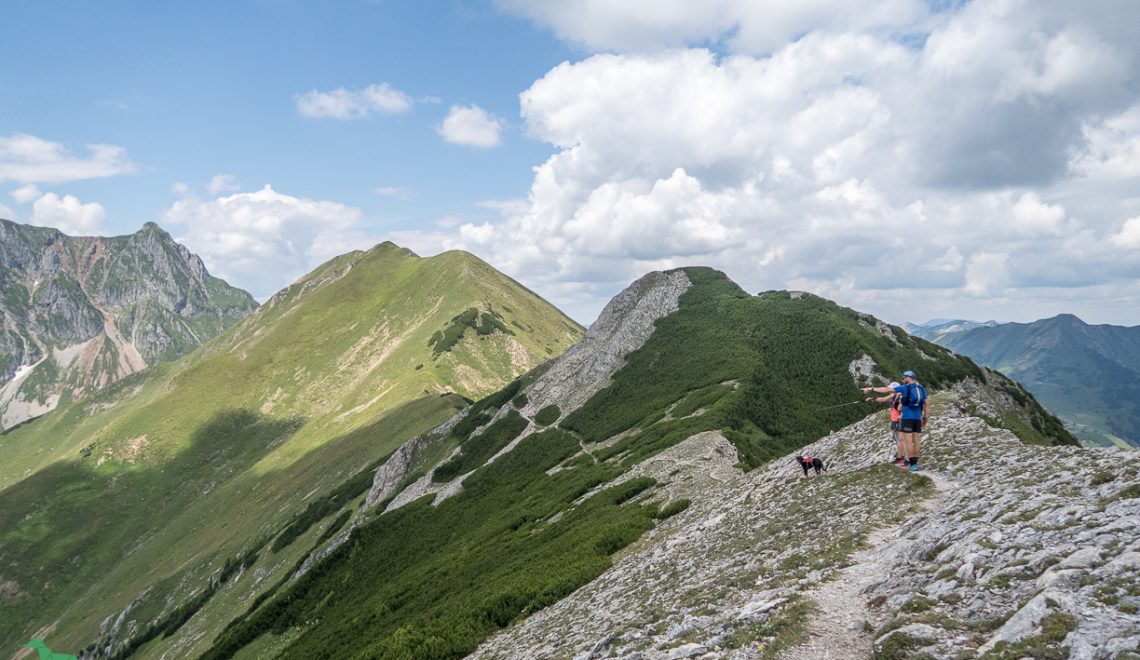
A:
[(843, 626)]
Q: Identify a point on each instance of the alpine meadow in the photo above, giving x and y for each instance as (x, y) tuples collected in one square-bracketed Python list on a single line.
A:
[(147, 497)]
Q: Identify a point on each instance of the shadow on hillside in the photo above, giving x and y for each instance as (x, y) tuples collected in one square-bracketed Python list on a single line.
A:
[(65, 526), (180, 520)]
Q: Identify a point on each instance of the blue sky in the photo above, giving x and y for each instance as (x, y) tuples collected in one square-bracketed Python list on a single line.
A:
[(191, 90), (907, 158)]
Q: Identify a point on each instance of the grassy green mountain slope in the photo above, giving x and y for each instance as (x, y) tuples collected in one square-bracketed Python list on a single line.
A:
[(1089, 375), (123, 517), (539, 494)]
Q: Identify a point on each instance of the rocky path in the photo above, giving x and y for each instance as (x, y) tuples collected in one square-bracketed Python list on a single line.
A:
[(843, 626), (1025, 550)]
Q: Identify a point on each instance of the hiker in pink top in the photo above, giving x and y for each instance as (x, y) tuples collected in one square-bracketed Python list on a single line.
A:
[(895, 399)]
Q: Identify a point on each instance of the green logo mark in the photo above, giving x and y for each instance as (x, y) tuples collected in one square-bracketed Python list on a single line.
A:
[(45, 652)]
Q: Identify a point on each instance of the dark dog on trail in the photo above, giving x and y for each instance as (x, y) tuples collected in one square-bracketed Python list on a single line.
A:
[(808, 463)]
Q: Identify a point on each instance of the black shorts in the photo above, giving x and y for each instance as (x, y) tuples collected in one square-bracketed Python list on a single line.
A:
[(894, 426), (910, 425)]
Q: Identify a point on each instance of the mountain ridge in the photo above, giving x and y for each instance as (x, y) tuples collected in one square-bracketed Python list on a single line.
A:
[(1086, 373), (79, 313), (528, 495), (867, 561), (223, 457)]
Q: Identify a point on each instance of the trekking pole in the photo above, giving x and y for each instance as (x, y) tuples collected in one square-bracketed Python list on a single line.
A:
[(843, 404)]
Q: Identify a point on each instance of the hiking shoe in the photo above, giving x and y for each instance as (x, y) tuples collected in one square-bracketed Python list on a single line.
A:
[(914, 468), (901, 463)]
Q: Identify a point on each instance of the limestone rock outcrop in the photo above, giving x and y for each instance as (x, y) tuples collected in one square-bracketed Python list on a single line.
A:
[(79, 313)]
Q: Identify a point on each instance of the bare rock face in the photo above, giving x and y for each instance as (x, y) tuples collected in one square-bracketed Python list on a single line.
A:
[(79, 313), (391, 475), (622, 327)]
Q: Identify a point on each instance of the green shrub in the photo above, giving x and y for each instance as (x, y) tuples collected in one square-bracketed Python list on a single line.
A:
[(489, 324), (547, 415), (1131, 492), (918, 603), (482, 323), (615, 538), (498, 399), (478, 449), (900, 645), (171, 622), (1055, 626), (318, 509), (1101, 477), (333, 527), (673, 508), (473, 420), (626, 491), (424, 581), (702, 398)]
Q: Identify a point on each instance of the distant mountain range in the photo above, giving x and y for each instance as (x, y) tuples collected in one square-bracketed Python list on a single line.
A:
[(78, 313), (1089, 375), (935, 329)]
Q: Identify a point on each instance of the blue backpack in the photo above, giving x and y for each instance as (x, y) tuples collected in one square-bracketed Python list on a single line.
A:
[(914, 396)]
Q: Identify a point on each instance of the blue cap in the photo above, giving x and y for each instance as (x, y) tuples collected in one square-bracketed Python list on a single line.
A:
[(909, 374)]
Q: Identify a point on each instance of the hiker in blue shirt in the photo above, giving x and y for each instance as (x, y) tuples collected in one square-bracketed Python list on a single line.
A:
[(914, 414)]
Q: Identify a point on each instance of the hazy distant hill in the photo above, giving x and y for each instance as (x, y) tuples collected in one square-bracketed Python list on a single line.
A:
[(78, 313), (1089, 375), (935, 329), (148, 499)]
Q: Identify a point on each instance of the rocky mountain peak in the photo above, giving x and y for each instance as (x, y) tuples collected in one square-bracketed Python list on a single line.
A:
[(1072, 319), (89, 310), (622, 327)]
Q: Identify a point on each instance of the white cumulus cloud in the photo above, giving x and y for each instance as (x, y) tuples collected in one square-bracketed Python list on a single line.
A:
[(986, 273), (1112, 147), (1129, 235), (25, 194), (28, 159), (746, 25), (222, 183), (471, 126), (68, 215), (264, 240), (981, 157), (344, 103)]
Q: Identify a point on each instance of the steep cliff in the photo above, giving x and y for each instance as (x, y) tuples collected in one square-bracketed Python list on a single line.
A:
[(80, 313)]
